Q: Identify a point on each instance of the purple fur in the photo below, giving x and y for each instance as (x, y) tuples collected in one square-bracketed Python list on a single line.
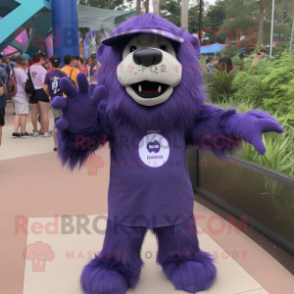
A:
[(189, 268), (72, 154), (209, 132), (118, 265), (181, 109)]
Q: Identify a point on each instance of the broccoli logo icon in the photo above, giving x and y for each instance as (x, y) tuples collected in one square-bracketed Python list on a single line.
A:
[(153, 146), (92, 163), (39, 253)]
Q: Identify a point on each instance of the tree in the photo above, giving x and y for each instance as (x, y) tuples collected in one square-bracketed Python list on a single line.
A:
[(213, 20), (261, 22), (156, 7), (184, 14), (171, 10), (147, 6), (193, 19), (138, 7)]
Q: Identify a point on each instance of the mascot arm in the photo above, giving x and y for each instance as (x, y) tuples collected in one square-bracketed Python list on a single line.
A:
[(219, 129), (81, 130)]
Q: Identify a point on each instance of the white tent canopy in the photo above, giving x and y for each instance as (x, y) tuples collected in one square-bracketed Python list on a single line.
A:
[(96, 18)]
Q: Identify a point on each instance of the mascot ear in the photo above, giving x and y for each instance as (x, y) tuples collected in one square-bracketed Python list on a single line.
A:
[(99, 52), (195, 44)]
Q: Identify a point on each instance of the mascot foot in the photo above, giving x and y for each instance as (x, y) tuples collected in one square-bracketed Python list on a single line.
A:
[(98, 279), (192, 275)]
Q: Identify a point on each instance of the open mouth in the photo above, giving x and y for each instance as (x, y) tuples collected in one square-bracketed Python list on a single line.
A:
[(149, 90)]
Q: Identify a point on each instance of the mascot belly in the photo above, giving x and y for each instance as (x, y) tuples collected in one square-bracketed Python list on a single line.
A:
[(149, 102)]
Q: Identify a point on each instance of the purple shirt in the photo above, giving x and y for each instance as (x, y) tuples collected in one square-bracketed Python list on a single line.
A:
[(149, 180), (52, 79)]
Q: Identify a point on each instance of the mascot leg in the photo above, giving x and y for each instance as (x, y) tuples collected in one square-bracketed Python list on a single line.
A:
[(118, 265), (189, 268)]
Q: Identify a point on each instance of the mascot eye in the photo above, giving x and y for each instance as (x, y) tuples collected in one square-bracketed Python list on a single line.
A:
[(133, 48), (163, 48)]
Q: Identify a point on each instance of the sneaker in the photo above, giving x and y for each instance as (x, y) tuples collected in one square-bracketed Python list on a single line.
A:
[(47, 134), (25, 135), (16, 135), (36, 134)]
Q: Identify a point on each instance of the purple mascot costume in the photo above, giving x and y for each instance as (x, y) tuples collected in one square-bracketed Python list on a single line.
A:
[(149, 104)]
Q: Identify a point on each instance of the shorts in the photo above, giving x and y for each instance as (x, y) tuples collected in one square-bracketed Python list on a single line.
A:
[(56, 114), (2, 116), (39, 96), (21, 105)]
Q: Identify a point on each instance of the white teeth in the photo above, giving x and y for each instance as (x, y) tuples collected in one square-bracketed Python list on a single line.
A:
[(159, 89), (140, 88)]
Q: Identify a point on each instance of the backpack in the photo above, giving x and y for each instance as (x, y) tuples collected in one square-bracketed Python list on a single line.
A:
[(12, 86), (29, 89), (71, 78), (3, 73)]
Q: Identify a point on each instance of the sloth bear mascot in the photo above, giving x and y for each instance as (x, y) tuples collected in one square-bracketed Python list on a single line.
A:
[(148, 104)]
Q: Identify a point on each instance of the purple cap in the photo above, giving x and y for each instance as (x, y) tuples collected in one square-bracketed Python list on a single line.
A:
[(113, 39)]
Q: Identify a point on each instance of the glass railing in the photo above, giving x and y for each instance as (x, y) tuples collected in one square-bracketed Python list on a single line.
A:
[(241, 187)]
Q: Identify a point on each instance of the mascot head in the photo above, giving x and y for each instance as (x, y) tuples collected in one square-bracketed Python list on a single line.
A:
[(151, 70)]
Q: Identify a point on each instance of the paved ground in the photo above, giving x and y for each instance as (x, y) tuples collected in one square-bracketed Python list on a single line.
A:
[(36, 194)]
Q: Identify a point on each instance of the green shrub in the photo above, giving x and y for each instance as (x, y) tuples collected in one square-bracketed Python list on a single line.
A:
[(279, 147), (219, 85), (278, 85)]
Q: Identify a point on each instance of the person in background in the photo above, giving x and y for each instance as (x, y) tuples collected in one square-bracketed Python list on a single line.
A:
[(52, 88), (85, 62), (3, 72), (20, 99), (93, 68), (3, 77), (39, 99), (83, 66), (225, 64), (26, 56), (69, 70), (88, 69), (259, 54), (13, 62), (48, 65), (77, 62), (8, 72), (2, 111), (210, 65)]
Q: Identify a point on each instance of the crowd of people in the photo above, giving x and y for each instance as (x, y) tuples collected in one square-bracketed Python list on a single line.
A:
[(225, 63), (31, 83)]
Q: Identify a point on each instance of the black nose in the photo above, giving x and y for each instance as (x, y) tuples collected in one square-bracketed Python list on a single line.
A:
[(147, 57)]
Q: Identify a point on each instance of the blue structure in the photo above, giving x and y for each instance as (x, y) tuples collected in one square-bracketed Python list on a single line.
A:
[(17, 15), (65, 27), (40, 17), (211, 49)]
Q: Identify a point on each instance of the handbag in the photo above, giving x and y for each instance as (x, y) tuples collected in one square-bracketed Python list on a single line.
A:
[(29, 88)]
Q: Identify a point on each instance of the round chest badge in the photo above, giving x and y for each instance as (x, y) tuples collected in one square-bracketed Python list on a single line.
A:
[(154, 150)]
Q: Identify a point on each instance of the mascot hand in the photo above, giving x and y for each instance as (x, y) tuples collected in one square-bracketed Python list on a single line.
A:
[(251, 125), (79, 109)]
